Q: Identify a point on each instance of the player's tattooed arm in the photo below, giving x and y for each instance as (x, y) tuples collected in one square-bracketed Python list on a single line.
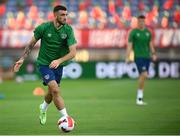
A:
[(28, 48)]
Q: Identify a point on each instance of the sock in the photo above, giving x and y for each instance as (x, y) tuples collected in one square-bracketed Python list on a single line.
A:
[(63, 112), (140, 94), (44, 105)]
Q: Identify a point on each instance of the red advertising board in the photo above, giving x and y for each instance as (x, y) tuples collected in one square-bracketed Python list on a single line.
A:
[(94, 38)]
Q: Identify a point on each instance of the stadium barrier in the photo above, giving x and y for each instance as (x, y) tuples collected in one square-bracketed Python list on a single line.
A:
[(106, 70)]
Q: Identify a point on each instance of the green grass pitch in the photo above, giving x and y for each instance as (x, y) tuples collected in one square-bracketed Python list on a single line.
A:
[(99, 107)]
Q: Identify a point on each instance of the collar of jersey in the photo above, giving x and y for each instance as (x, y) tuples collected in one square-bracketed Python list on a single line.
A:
[(58, 28)]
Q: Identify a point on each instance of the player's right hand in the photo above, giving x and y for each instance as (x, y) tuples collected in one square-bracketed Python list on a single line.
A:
[(18, 65), (127, 61)]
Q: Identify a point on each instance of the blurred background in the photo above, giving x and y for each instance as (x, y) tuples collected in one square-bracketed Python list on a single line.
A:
[(101, 28)]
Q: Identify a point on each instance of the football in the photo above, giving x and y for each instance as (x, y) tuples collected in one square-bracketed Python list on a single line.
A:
[(66, 124)]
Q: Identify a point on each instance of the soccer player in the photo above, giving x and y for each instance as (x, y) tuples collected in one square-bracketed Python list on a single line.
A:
[(58, 47), (140, 41)]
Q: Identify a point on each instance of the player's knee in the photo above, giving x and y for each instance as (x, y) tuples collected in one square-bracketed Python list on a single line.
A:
[(53, 88), (55, 92), (142, 78), (144, 75)]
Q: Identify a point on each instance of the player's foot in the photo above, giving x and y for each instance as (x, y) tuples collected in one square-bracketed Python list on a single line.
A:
[(140, 102), (42, 116)]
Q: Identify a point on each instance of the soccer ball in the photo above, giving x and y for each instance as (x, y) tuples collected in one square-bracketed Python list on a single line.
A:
[(66, 123)]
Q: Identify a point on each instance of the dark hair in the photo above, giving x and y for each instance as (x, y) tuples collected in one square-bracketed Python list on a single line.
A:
[(59, 7), (141, 17)]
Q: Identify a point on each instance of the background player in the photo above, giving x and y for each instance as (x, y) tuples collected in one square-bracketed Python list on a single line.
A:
[(140, 41)]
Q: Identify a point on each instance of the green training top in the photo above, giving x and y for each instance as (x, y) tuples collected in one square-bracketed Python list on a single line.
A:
[(54, 42), (141, 42)]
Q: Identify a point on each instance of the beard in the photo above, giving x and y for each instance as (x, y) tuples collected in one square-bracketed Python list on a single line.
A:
[(61, 22)]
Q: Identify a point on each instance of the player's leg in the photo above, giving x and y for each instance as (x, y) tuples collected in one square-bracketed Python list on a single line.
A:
[(58, 76), (57, 98), (47, 75), (140, 91), (47, 100), (44, 107), (52, 78), (143, 66), (141, 80)]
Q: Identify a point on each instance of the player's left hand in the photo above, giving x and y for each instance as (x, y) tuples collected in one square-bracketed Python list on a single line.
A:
[(154, 57), (128, 61), (55, 63)]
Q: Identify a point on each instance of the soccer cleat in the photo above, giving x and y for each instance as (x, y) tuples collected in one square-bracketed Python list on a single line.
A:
[(42, 116), (140, 102)]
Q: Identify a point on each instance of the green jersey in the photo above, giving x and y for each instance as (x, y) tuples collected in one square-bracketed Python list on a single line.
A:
[(54, 42), (140, 40)]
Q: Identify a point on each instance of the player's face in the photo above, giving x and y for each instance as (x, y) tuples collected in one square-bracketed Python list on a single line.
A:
[(61, 16), (141, 22)]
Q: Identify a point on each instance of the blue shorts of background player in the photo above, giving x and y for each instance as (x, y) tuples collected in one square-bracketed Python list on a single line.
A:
[(142, 64), (49, 74)]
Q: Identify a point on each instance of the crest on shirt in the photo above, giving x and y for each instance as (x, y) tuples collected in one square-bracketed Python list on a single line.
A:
[(138, 34), (147, 34), (63, 36), (49, 34), (144, 68), (46, 76)]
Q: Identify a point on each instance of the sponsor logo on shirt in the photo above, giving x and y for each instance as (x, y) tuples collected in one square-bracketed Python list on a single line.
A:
[(63, 36), (138, 34)]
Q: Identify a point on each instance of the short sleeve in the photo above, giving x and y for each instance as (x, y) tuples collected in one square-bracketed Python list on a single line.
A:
[(71, 38), (131, 35), (38, 32)]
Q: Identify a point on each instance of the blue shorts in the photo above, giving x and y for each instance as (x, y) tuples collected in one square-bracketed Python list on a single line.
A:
[(49, 74), (142, 64)]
